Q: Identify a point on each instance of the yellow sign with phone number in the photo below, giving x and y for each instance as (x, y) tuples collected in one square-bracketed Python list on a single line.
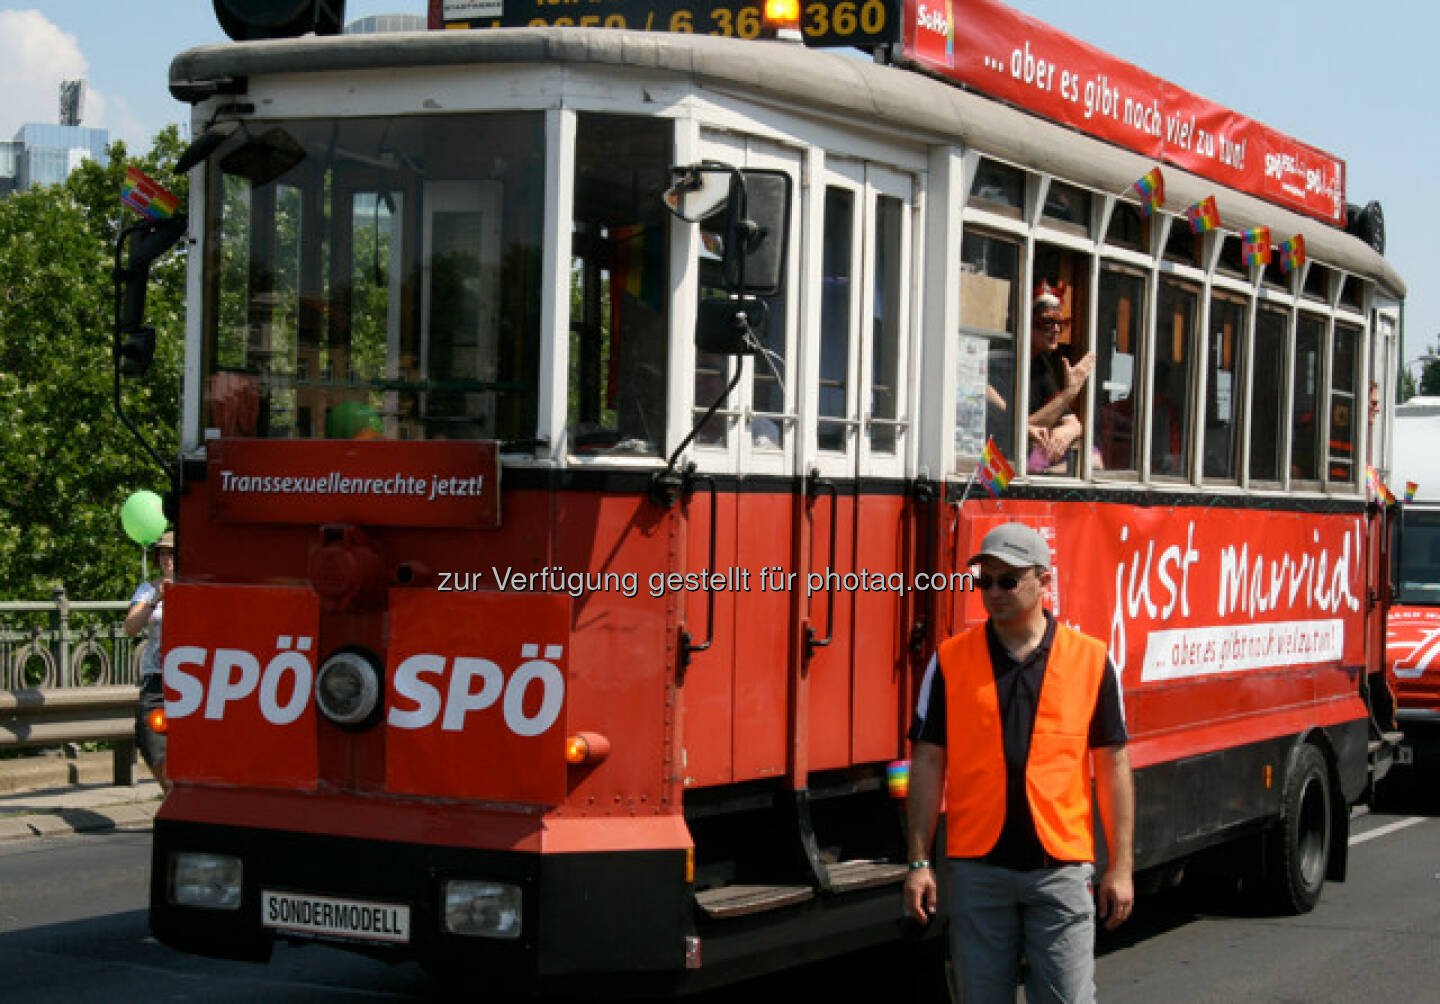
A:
[(822, 22)]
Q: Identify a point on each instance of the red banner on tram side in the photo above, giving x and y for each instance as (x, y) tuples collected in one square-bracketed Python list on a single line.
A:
[(1003, 53), (1184, 595), (370, 483)]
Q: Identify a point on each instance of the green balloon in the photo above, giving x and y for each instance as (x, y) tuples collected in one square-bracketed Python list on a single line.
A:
[(143, 517)]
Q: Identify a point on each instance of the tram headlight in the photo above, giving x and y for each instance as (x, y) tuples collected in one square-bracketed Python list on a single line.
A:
[(483, 909), (347, 688), (207, 881)]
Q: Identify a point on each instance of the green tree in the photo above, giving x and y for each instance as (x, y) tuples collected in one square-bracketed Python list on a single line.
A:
[(66, 462), (1430, 376)]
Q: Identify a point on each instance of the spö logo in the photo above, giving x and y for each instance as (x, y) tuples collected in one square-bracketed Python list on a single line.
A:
[(475, 684), (427, 686)]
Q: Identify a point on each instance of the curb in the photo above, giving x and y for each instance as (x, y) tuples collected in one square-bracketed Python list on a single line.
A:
[(47, 796), (69, 821)]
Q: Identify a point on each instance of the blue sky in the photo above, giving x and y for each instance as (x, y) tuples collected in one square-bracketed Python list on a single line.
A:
[(1324, 71)]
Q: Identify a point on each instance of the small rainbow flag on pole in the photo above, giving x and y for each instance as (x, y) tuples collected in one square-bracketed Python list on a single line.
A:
[(1255, 246), (1379, 487), (1204, 215), (1292, 253), (1410, 489), (994, 472), (146, 196), (1151, 189)]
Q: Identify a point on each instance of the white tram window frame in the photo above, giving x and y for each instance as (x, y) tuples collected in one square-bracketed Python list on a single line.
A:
[(742, 422), (848, 176), (884, 183)]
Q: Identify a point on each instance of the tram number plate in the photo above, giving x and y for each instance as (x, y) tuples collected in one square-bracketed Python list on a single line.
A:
[(324, 916)]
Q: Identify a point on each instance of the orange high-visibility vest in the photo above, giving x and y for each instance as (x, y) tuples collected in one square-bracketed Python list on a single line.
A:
[(1057, 773)]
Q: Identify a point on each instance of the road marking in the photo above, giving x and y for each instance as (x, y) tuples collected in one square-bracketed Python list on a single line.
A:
[(1381, 831)]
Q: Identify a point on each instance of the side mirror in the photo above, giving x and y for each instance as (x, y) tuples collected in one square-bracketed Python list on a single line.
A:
[(759, 220), (148, 240), (752, 229)]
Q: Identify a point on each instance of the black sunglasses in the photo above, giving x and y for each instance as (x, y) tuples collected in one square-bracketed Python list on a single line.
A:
[(1008, 581)]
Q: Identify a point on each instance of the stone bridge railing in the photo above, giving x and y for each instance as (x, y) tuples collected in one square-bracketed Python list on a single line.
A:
[(69, 674)]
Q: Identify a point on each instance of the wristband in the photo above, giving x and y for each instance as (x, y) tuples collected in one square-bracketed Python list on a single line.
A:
[(917, 865)]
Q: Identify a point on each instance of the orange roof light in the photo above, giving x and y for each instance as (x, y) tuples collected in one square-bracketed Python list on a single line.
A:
[(586, 748), (782, 14)]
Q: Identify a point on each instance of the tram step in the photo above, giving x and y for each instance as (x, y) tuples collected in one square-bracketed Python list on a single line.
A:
[(739, 900), (847, 876), (1388, 739)]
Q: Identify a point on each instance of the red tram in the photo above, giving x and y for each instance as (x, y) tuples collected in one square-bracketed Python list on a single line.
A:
[(577, 432)]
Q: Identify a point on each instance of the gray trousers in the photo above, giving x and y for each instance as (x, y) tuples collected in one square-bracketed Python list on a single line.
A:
[(1048, 913)]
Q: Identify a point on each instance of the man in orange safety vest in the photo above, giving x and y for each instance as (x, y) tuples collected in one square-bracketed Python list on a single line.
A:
[(1011, 714)]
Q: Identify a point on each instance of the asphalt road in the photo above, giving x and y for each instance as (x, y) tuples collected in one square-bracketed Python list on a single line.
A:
[(73, 929)]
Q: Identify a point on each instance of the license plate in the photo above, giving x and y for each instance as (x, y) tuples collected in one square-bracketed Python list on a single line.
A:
[(324, 916)]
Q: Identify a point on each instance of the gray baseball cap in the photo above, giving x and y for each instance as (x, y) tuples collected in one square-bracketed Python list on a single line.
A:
[(1015, 544)]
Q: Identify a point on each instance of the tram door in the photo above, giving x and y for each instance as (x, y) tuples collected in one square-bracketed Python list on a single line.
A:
[(854, 623), (737, 693)]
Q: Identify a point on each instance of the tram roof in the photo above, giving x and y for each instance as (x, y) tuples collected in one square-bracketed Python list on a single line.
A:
[(827, 82)]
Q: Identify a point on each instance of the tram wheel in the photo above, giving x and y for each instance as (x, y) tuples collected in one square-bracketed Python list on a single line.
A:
[(1302, 840)]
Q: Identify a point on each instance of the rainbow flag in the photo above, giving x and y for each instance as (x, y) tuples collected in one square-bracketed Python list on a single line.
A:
[(1151, 189), (1204, 215), (994, 471), (1255, 246), (1379, 487), (147, 197), (1292, 253), (1410, 489)]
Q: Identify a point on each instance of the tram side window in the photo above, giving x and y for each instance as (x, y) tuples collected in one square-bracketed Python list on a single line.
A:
[(1306, 403), (989, 309), (768, 419), (620, 289), (1267, 399), (1119, 355), (885, 325), (998, 187), (1345, 406), (1066, 274), (837, 290), (1177, 313), (1224, 383), (370, 278), (1128, 228)]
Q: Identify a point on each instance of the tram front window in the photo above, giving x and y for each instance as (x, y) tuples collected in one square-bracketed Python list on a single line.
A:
[(620, 289), (376, 278)]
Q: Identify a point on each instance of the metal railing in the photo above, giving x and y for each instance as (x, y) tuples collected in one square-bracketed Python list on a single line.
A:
[(62, 642), (69, 674)]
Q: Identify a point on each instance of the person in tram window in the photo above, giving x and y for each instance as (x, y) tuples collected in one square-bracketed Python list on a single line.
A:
[(147, 610), (1009, 715), (1054, 383)]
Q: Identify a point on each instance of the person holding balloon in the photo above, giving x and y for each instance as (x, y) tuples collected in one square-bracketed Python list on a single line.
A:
[(145, 523)]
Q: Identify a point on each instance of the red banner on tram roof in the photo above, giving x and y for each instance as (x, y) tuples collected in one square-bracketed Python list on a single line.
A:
[(1001, 52)]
